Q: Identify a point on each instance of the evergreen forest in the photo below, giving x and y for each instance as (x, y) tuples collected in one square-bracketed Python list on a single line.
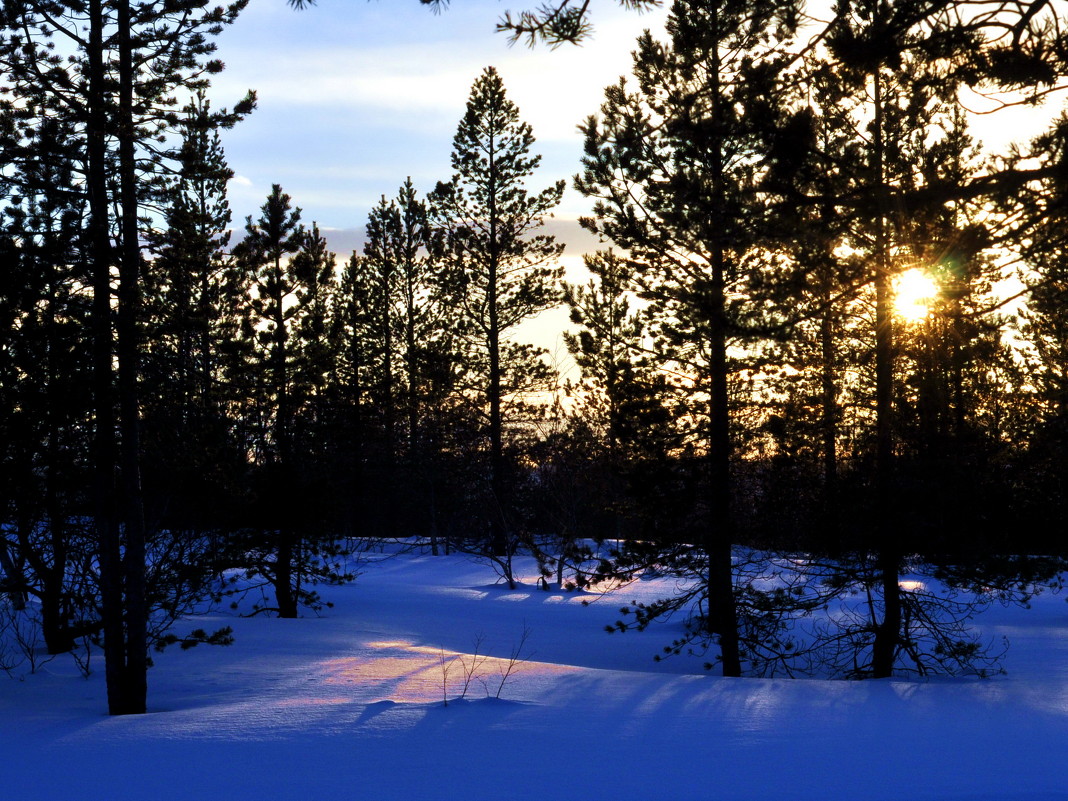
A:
[(822, 349)]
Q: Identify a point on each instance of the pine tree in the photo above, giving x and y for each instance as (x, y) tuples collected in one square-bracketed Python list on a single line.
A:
[(624, 397), (45, 414), (274, 302), (894, 187), (349, 384), (421, 311), (619, 453), (899, 69), (498, 270), (1043, 427), (403, 327), (118, 75), (189, 327), (382, 260), (674, 166), (609, 339)]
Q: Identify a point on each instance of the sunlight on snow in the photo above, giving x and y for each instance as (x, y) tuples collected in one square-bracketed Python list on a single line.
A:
[(463, 592), (397, 670), (560, 599), (502, 594), (515, 597)]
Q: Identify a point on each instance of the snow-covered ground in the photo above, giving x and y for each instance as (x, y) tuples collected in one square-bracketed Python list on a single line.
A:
[(348, 705)]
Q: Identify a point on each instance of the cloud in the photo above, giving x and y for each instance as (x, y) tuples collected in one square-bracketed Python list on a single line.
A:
[(421, 82), (355, 97)]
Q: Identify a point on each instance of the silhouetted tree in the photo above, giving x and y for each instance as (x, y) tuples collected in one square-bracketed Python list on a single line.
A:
[(674, 165), (115, 78), (498, 271), (289, 276)]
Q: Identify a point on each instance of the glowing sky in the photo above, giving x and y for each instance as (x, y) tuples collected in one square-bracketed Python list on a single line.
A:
[(355, 96)]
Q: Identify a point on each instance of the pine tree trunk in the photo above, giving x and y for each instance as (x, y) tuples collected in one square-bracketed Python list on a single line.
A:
[(498, 535), (129, 348), (498, 541), (432, 503), (723, 614), (415, 466), (55, 627), (829, 425), (412, 367), (104, 442), (888, 632), (719, 538), (285, 597), (15, 580), (388, 486)]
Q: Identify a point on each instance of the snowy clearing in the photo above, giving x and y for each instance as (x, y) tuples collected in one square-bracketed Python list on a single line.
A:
[(349, 705)]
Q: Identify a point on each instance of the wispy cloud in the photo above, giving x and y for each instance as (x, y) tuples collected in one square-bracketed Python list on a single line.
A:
[(415, 84), (355, 97)]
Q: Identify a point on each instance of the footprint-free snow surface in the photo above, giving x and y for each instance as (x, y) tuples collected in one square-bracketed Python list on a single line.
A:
[(348, 705)]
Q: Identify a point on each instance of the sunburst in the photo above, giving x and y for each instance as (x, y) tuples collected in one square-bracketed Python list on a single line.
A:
[(914, 292)]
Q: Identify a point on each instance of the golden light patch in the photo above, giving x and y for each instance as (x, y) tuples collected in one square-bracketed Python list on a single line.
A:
[(914, 293), (407, 673)]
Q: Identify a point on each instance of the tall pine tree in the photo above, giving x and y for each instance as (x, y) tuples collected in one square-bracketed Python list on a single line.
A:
[(499, 271), (674, 165), (289, 276)]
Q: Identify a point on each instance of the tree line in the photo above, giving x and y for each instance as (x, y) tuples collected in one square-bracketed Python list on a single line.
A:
[(752, 414)]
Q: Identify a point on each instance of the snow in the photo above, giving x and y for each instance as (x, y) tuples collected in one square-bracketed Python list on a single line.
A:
[(349, 705)]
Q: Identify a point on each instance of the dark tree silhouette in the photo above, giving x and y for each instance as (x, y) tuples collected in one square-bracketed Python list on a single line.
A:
[(673, 166), (499, 272)]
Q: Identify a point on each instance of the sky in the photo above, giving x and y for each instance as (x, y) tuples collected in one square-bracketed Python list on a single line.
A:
[(357, 95)]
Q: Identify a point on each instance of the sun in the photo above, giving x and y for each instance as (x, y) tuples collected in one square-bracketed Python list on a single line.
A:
[(914, 292)]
